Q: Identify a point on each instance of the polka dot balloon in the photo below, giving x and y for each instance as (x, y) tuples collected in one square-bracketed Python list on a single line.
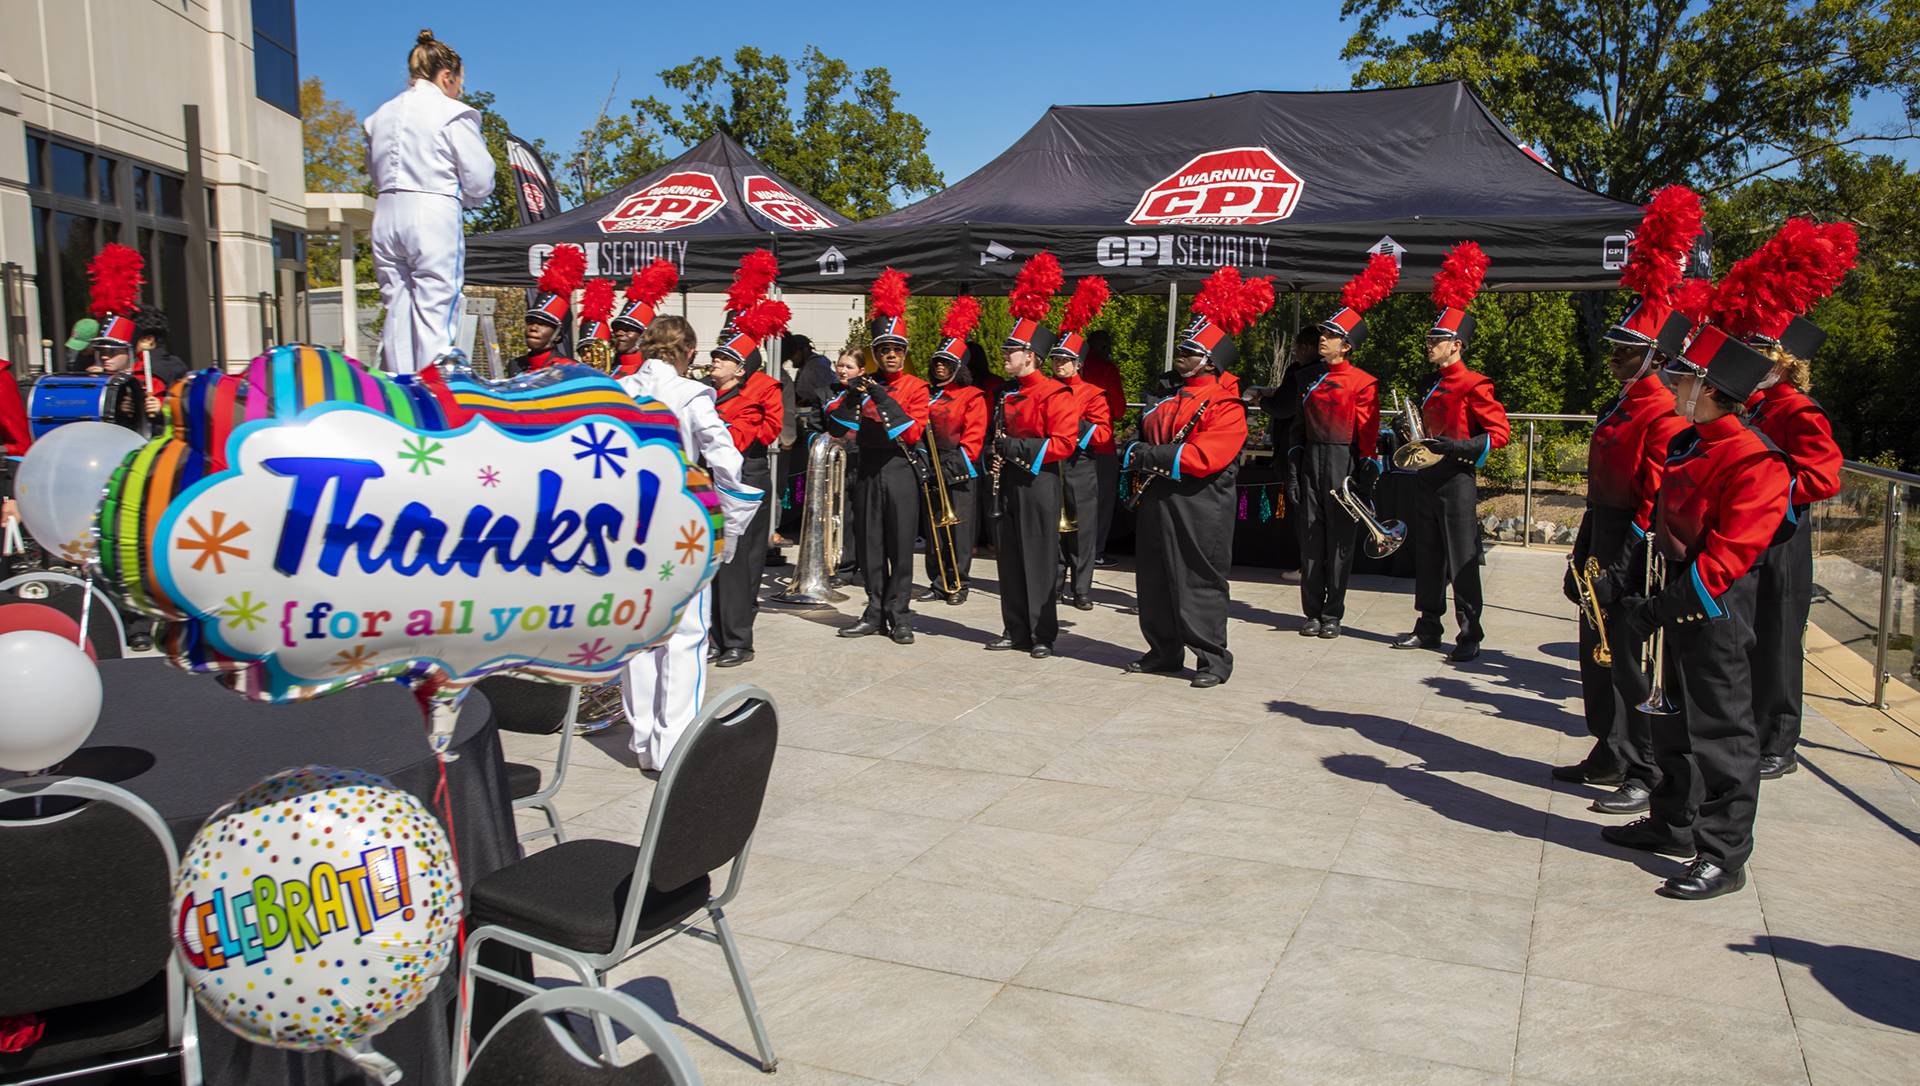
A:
[(317, 908)]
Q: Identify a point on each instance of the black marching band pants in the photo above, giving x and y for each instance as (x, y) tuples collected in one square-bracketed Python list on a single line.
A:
[(886, 503), (1783, 599), (1184, 546), (1622, 734), (1708, 752), (1028, 552), (736, 587), (1327, 533), (1446, 542), (963, 532), (1080, 480)]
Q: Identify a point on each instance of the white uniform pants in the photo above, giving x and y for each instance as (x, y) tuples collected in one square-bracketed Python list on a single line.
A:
[(663, 687), (419, 259)]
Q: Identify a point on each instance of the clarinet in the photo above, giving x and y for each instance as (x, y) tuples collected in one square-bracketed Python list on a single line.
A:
[(993, 446), (1142, 480)]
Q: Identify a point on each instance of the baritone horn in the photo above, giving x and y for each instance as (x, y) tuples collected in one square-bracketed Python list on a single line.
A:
[(822, 529), (1414, 453), (1655, 658), (1590, 608), (1383, 537), (597, 353)]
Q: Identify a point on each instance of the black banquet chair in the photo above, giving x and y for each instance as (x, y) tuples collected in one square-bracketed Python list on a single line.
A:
[(592, 904), (85, 896), (535, 708), (532, 1047)]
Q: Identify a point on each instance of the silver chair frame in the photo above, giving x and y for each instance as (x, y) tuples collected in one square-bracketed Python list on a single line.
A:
[(592, 969), (102, 603), (543, 799), (183, 1037), (603, 1004)]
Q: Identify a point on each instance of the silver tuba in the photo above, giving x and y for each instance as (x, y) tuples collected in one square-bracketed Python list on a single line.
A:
[(1383, 538), (1414, 453), (822, 528)]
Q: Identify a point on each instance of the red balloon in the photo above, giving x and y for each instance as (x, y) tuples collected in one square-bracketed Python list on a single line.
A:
[(35, 616)]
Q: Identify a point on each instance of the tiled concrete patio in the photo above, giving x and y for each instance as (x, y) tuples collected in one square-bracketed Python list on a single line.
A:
[(1348, 864)]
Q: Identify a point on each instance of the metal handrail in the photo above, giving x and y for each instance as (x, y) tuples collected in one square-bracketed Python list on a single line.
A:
[(1879, 472), (1894, 511)]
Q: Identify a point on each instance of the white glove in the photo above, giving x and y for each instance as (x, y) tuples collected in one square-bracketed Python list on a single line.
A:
[(728, 545)]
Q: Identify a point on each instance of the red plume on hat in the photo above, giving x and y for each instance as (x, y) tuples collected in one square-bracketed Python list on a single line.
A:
[(1231, 302), (116, 281), (889, 294), (1088, 296), (596, 305), (1372, 285), (766, 318), (1694, 300), (653, 283), (756, 273), (1462, 271), (1668, 226), (1797, 267), (1033, 289), (565, 269), (961, 317)]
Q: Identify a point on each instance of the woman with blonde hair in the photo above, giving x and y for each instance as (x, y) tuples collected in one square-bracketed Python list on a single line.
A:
[(427, 161)]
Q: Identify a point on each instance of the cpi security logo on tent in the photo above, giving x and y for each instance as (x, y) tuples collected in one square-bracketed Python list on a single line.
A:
[(678, 200), (765, 195), (1238, 187)]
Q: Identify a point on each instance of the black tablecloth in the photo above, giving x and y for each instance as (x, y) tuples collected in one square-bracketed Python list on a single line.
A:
[(1275, 543), (191, 745)]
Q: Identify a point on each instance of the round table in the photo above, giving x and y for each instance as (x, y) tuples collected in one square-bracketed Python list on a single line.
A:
[(187, 745)]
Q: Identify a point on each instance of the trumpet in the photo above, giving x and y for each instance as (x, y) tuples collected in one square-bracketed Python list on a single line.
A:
[(1655, 658), (1383, 537), (940, 518), (1414, 453), (821, 526), (1590, 608)]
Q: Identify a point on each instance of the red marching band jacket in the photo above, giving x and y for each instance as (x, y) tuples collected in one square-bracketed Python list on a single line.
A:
[(1723, 498), (1628, 456), (1096, 421), (1217, 440), (1343, 408), (753, 413), (1040, 407), (908, 391), (626, 365), (1799, 427), (1461, 407), (958, 415)]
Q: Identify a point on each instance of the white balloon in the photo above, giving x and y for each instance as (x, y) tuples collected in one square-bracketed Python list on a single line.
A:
[(52, 700), (62, 479)]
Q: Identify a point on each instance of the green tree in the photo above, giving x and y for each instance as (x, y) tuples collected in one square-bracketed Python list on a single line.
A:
[(336, 161), (502, 210)]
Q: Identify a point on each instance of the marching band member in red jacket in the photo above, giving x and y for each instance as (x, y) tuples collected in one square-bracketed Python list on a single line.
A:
[(957, 413), (1723, 498), (1037, 430), (887, 412), (1335, 436), (565, 269), (750, 403), (1186, 463), (644, 293), (1627, 460), (1096, 366), (1079, 477), (1464, 423)]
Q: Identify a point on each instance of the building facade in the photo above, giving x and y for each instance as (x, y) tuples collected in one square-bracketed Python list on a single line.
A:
[(169, 125)]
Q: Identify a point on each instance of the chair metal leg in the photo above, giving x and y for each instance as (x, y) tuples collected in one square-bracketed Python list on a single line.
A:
[(553, 827), (739, 970)]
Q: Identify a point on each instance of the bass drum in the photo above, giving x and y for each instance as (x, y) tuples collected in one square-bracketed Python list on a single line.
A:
[(58, 399)]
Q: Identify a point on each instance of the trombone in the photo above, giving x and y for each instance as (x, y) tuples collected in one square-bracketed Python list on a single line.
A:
[(940, 517), (1383, 537), (1655, 653), (1590, 608), (1414, 453)]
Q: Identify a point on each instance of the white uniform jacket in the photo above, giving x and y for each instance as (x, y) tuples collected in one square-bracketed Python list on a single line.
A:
[(704, 436), (424, 141)]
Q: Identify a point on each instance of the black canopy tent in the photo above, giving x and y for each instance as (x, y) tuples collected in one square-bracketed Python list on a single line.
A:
[(703, 211), (1299, 186)]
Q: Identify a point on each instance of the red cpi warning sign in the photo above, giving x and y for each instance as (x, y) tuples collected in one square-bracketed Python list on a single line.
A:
[(765, 195), (681, 199), (1238, 187)]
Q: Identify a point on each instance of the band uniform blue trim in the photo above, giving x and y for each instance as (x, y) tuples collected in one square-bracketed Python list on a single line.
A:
[(900, 429), (1484, 453), (1714, 610), (1176, 459)]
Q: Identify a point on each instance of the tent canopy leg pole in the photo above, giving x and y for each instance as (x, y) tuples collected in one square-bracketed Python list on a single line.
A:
[(1173, 313)]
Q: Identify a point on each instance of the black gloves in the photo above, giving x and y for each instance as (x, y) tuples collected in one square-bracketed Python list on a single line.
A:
[(1641, 614), (1293, 476), (1608, 590), (1366, 473), (1155, 459), (1468, 450), (892, 415), (846, 412), (953, 464), (1026, 452)]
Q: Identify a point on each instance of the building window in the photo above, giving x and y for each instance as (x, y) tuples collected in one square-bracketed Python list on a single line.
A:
[(276, 60)]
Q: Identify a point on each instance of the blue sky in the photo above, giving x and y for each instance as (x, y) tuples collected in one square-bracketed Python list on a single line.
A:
[(978, 74)]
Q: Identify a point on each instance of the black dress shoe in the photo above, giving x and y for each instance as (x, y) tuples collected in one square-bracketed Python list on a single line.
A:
[(1101, 561), (957, 598), (1003, 644), (1645, 835), (1144, 666), (1040, 652), (1415, 641), (930, 594), (1578, 773), (1205, 679), (1082, 603), (1775, 766), (140, 642), (1310, 628), (1464, 651), (1704, 879), (1631, 797), (733, 658), (1329, 630), (862, 628), (901, 635)]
